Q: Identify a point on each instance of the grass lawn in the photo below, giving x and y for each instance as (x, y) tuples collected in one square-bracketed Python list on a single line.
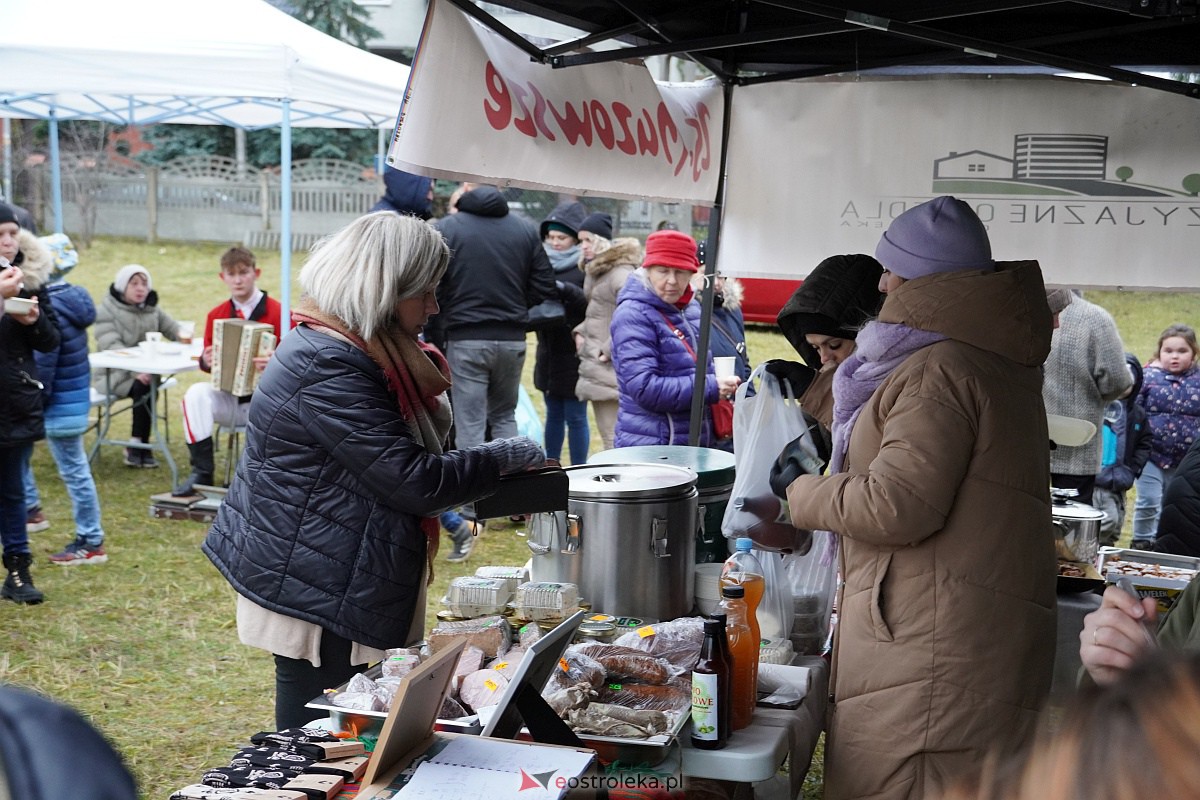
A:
[(146, 645)]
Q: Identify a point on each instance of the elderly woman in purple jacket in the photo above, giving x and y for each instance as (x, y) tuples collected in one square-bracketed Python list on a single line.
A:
[(655, 336)]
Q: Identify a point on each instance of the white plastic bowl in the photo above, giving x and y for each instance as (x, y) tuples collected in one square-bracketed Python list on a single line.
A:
[(18, 305)]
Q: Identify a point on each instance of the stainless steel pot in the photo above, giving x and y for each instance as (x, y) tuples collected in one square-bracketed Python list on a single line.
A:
[(627, 539), (1076, 529)]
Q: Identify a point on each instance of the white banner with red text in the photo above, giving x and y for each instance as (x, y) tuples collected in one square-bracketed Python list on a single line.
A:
[(477, 108)]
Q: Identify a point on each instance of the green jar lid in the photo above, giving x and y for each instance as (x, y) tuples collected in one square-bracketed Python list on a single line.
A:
[(713, 468)]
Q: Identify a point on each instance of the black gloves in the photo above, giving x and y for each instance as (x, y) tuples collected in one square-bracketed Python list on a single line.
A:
[(793, 461), (791, 374)]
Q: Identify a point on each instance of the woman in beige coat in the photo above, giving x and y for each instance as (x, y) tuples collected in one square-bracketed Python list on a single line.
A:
[(606, 265), (940, 489)]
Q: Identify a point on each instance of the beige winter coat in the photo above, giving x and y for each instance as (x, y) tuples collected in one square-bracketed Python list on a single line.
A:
[(946, 621), (604, 276)]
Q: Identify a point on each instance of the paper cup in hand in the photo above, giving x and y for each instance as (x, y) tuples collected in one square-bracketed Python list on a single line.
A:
[(723, 366)]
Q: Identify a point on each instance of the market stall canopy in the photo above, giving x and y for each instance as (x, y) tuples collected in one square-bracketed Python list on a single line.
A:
[(221, 62), (752, 41), (1096, 179)]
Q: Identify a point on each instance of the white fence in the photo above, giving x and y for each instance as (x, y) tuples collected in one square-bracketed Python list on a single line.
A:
[(211, 198)]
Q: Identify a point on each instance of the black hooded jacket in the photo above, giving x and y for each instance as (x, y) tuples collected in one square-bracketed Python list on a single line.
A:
[(1179, 525), (836, 299), (498, 269)]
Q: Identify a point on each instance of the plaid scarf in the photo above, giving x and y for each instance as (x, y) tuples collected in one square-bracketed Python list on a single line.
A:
[(418, 375)]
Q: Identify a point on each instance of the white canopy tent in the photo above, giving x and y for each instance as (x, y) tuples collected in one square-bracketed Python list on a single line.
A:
[(241, 63)]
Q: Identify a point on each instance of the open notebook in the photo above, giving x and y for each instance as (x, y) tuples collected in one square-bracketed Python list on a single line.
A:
[(459, 767)]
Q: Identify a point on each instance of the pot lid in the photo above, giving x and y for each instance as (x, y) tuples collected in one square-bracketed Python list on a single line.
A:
[(628, 481), (714, 468), (1069, 509)]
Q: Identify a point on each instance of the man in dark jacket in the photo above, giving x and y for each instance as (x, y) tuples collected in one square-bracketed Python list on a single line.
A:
[(498, 270)]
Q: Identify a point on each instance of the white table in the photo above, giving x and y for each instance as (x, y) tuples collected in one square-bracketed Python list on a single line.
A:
[(754, 754), (171, 358)]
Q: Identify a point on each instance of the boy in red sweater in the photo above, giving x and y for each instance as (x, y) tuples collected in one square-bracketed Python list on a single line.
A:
[(203, 404)]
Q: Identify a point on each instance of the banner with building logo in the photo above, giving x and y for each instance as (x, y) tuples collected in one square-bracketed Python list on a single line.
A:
[(1097, 181), (477, 108)]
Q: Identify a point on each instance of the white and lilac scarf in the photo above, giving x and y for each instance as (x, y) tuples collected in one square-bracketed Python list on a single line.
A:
[(880, 348)]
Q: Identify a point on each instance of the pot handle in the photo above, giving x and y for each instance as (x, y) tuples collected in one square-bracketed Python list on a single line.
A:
[(658, 538), (574, 529)]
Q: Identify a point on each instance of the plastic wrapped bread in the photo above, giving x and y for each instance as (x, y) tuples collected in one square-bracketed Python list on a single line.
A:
[(492, 635)]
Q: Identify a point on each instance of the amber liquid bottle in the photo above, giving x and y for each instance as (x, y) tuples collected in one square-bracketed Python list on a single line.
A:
[(727, 686), (706, 691), (743, 646)]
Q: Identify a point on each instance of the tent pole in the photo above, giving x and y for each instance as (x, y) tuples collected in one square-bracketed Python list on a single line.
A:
[(711, 246), (55, 173), (285, 217)]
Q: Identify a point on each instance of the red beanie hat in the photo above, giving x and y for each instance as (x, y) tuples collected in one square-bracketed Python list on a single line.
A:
[(674, 249)]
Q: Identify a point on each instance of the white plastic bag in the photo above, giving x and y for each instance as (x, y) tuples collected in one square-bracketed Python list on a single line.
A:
[(811, 580), (762, 424)]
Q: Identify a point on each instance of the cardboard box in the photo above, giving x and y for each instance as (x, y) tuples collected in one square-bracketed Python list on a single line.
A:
[(236, 342), (1162, 576)]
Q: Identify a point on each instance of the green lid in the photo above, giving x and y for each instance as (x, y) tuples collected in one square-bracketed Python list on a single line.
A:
[(713, 468)]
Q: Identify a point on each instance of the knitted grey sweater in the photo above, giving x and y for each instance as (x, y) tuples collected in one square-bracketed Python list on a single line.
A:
[(1086, 369)]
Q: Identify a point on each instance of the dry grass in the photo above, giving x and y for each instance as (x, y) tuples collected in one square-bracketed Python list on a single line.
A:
[(145, 645)]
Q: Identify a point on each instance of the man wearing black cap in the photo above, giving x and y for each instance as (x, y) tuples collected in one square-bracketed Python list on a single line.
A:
[(498, 270)]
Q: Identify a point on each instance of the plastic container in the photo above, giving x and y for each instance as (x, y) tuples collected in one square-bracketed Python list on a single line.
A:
[(515, 576), (775, 651), (743, 648), (546, 601), (470, 597), (708, 587), (743, 569)]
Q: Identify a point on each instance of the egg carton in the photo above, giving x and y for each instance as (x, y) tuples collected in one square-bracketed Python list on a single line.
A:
[(470, 597)]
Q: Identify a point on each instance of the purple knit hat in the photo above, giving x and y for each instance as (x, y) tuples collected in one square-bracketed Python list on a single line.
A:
[(942, 235)]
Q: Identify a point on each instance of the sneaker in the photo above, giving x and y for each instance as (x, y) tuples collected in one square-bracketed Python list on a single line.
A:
[(148, 460), (36, 521), (1142, 544), (133, 457), (78, 552), (464, 541)]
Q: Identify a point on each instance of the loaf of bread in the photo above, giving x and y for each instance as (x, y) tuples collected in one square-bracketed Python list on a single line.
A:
[(492, 635)]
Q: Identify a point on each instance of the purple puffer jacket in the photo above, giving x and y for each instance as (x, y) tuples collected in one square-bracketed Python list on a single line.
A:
[(655, 371), (1172, 404)]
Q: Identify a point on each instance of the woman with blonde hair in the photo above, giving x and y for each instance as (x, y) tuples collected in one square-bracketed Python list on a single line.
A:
[(330, 526)]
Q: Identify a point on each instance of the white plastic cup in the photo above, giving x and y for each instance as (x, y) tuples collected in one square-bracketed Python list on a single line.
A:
[(723, 366), (187, 329), (151, 344)]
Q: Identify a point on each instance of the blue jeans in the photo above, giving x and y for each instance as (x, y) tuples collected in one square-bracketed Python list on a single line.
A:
[(12, 499), (1148, 507), (572, 414), (486, 375), (76, 473), (451, 520)]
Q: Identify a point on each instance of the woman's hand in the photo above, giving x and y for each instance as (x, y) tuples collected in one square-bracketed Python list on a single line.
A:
[(10, 281), (728, 386), (1115, 634), (31, 316)]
